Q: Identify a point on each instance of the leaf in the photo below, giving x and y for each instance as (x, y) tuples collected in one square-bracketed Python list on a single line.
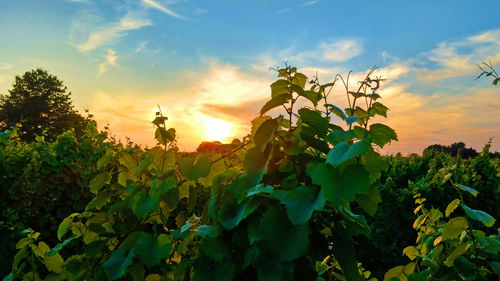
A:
[(197, 170), (454, 228), (153, 277), (337, 111), (479, 215), (279, 87), (231, 214), (142, 205), (314, 119), (451, 207), (152, 250), (459, 250), (343, 152), (99, 181), (65, 225), (468, 189), (341, 189), (411, 252), (352, 119), (300, 80), (117, 264), (274, 224), (265, 133), (382, 134), (54, 263), (378, 108), (159, 120), (300, 203), (275, 102), (369, 202)]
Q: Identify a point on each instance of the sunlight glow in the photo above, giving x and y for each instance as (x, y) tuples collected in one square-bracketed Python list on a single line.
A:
[(216, 129)]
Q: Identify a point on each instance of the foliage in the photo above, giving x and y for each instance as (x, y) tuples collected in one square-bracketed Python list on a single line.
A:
[(156, 215), (42, 182), (451, 248), (41, 103)]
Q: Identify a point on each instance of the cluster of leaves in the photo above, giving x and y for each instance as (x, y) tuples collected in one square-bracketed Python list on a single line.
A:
[(300, 193), (451, 248), (424, 175), (42, 182)]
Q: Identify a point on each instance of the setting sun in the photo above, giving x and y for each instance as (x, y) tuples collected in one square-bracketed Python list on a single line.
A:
[(216, 129)]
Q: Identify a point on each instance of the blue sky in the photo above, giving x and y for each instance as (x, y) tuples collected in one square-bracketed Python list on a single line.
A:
[(207, 62)]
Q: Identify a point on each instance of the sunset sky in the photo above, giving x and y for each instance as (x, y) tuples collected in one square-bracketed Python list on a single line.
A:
[(207, 63)]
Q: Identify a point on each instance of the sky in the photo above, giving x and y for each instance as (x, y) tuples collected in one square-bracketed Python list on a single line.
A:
[(207, 64)]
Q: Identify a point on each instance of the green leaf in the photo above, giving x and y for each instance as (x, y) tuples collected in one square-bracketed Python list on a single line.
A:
[(411, 252), (378, 108), (117, 264), (341, 189), (273, 226), (159, 120), (313, 96), (54, 263), (479, 215), (142, 205), (275, 102), (458, 251), (197, 170), (65, 225), (207, 231), (337, 111), (300, 203), (279, 87), (215, 248), (300, 80), (152, 250), (468, 189), (369, 202), (343, 152), (382, 134), (314, 119), (231, 214), (265, 133), (454, 228), (99, 181), (451, 207)]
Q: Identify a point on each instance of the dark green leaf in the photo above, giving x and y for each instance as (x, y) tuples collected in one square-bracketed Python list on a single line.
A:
[(479, 215), (468, 189), (152, 250), (382, 134), (300, 203), (275, 102), (117, 264), (343, 152)]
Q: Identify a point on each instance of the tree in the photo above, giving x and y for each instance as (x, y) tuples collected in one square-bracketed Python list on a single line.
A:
[(42, 104)]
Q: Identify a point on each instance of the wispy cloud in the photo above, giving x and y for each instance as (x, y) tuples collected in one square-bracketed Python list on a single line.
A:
[(106, 35), (162, 8), (282, 11), (458, 58), (109, 60), (141, 47), (309, 3), (340, 51)]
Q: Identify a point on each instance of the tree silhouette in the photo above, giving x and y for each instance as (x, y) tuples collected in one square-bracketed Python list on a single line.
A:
[(42, 104)]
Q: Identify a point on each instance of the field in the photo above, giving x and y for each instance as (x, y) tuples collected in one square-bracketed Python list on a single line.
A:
[(306, 195)]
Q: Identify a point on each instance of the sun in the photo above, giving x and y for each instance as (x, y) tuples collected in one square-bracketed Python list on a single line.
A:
[(216, 129)]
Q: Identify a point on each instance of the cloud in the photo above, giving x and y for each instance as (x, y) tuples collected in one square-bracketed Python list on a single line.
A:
[(459, 58), (109, 60), (141, 47), (309, 3), (110, 33), (282, 11), (223, 92), (340, 51), (162, 8)]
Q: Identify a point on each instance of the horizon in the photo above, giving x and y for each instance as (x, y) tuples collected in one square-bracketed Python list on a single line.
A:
[(208, 66)]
